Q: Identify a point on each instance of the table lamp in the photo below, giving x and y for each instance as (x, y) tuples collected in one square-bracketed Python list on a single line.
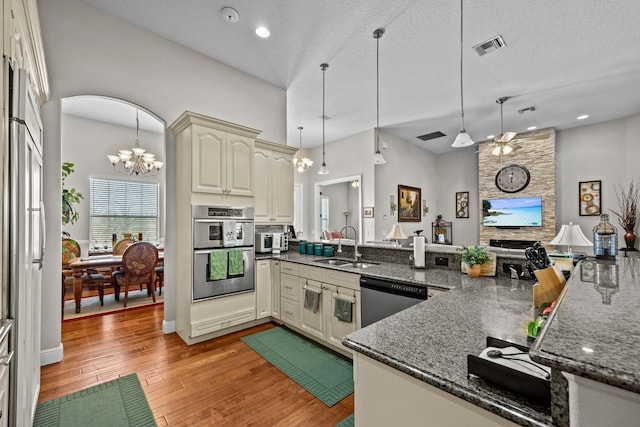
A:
[(396, 233), (571, 235)]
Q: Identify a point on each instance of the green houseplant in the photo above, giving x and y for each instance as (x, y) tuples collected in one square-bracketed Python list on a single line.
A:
[(70, 197), (474, 257)]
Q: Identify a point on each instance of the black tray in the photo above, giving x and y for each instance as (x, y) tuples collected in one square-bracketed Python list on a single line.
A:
[(520, 383)]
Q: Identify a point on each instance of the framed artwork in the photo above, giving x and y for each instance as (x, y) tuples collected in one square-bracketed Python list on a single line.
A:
[(590, 198), (367, 212), (462, 204), (409, 199)]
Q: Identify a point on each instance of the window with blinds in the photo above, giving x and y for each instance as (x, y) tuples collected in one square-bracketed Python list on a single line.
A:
[(119, 207)]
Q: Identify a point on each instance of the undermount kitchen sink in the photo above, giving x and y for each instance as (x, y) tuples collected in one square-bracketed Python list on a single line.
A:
[(336, 262), (360, 264)]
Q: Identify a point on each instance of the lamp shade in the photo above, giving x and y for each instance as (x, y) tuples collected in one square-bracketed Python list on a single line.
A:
[(571, 235), (397, 233)]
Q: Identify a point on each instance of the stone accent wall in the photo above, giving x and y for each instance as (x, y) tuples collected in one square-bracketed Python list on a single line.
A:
[(537, 154)]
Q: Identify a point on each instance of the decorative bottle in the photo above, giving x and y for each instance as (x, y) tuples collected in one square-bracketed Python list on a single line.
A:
[(605, 240), (114, 239)]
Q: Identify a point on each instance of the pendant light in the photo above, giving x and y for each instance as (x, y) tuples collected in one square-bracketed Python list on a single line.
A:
[(377, 157), (323, 169), (301, 163), (463, 139)]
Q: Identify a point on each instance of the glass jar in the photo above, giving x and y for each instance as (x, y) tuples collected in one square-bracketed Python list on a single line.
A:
[(605, 240)]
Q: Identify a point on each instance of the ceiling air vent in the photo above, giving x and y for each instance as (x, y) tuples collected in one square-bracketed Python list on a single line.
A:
[(432, 135), (490, 45), (527, 110)]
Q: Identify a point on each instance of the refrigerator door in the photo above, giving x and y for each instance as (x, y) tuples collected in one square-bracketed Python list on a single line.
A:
[(26, 248)]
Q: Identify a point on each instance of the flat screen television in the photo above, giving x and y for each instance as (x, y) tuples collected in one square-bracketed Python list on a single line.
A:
[(512, 212)]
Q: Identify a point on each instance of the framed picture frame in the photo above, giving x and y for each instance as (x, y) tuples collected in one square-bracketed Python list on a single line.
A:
[(462, 204), (367, 212), (409, 200), (589, 198)]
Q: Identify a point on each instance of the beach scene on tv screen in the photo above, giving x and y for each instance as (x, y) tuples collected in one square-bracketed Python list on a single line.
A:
[(520, 212)]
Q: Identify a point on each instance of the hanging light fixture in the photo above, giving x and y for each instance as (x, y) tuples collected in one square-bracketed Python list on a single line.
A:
[(377, 157), (300, 162), (502, 145), (323, 169), (137, 160), (463, 139)]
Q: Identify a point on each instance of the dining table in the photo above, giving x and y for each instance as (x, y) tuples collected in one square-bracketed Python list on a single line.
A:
[(82, 264)]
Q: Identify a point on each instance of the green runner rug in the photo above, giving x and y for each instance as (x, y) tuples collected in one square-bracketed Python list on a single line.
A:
[(117, 403), (323, 373)]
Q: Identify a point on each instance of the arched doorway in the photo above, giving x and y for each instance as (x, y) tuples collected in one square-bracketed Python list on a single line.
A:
[(93, 127)]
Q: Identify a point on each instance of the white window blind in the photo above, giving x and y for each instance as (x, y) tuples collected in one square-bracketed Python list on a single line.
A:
[(119, 207)]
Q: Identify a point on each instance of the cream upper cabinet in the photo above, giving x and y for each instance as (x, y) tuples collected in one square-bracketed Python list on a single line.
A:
[(222, 163), (274, 183), (218, 154)]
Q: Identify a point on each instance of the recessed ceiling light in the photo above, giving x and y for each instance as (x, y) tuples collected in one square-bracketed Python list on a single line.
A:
[(263, 32), (532, 128), (490, 136), (587, 349), (582, 117)]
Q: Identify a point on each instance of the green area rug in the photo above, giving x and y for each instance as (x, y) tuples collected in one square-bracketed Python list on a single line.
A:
[(117, 403), (323, 373), (347, 422)]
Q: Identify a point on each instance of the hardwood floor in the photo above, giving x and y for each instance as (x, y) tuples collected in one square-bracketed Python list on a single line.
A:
[(221, 382)]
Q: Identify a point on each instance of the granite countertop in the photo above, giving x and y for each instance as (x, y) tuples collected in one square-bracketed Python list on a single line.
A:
[(594, 330), (430, 341), (437, 278)]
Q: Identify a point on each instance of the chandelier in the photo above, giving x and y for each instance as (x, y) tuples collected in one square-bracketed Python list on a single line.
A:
[(137, 160), (300, 162)]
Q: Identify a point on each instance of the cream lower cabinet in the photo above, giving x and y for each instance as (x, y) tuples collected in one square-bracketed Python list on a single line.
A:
[(275, 289), (273, 202), (289, 294), (317, 320), (263, 288)]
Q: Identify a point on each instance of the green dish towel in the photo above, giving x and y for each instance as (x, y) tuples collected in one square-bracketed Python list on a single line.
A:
[(312, 299), (343, 309), (236, 263), (217, 265)]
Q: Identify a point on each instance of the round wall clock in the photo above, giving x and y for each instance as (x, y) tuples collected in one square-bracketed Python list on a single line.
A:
[(512, 178)]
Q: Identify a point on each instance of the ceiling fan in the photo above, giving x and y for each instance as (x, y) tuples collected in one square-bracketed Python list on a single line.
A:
[(504, 143)]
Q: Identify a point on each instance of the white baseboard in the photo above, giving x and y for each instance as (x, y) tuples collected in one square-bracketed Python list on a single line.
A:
[(168, 327), (51, 355)]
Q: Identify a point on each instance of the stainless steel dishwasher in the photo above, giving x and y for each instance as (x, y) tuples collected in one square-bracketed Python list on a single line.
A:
[(381, 298)]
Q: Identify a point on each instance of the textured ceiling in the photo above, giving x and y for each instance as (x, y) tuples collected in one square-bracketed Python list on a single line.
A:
[(566, 58)]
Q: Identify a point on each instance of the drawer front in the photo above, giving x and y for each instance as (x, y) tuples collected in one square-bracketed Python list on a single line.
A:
[(289, 268), (289, 287), (315, 273), (289, 311), (340, 278)]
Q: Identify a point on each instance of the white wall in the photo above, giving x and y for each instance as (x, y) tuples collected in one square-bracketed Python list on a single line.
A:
[(458, 171), (344, 157), (86, 143), (91, 53), (406, 164), (608, 152)]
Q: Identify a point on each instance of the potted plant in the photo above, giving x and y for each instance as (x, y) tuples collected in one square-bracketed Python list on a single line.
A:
[(474, 257), (627, 212), (70, 197)]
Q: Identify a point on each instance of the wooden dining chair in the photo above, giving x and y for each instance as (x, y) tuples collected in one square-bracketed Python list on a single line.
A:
[(92, 279), (138, 268), (121, 246)]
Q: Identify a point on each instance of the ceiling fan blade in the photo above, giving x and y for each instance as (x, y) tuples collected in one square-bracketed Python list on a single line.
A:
[(507, 136)]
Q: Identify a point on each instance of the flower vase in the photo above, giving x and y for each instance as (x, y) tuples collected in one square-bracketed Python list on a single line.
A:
[(474, 270), (630, 239)]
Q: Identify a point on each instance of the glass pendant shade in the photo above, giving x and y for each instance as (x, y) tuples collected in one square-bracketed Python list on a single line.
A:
[(378, 159), (462, 140), (323, 170)]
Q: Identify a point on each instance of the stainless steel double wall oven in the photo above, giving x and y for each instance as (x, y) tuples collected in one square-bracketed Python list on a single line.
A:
[(221, 235)]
